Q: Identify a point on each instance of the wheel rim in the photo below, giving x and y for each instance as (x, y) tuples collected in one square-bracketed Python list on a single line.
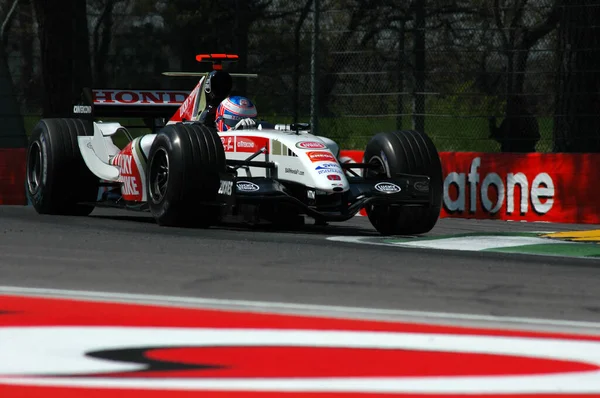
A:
[(34, 167), (159, 175), (377, 171)]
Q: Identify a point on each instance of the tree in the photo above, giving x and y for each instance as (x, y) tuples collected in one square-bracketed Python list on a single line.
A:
[(65, 54), (577, 121), (192, 27), (393, 38), (102, 35), (518, 37), (13, 130), (298, 59), (25, 39), (279, 51), (348, 24), (246, 14)]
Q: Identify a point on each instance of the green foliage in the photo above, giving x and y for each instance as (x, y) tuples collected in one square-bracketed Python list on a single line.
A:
[(465, 101), (448, 134), (366, 60)]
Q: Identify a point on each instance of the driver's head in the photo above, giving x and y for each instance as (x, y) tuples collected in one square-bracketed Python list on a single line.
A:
[(232, 110)]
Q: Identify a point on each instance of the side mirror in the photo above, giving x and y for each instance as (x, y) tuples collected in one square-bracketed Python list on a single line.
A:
[(300, 126)]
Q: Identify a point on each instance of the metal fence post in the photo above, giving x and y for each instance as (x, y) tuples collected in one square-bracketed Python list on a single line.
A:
[(401, 69), (419, 71), (314, 69)]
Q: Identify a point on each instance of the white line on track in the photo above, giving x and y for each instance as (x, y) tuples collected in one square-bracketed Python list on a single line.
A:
[(473, 243), (455, 319)]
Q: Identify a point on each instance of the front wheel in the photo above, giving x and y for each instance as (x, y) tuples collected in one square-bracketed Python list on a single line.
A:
[(408, 152), (183, 171)]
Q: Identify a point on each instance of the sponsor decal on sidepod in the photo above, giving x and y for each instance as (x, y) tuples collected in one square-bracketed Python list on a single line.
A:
[(320, 156), (250, 144), (323, 169), (129, 174), (294, 171), (331, 166), (227, 143), (244, 144), (310, 145)]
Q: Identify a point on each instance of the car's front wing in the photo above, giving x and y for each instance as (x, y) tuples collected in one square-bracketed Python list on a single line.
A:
[(401, 190)]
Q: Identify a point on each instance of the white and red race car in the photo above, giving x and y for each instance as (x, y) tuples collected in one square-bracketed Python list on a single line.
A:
[(186, 173)]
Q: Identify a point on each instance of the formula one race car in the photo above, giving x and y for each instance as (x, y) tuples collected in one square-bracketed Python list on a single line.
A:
[(187, 174)]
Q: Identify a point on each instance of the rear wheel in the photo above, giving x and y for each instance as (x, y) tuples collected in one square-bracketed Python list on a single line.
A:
[(57, 179), (407, 152), (183, 175)]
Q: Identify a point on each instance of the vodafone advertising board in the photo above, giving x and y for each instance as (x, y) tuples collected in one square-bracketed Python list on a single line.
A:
[(552, 187)]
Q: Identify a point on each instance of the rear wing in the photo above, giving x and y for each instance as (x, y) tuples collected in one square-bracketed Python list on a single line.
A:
[(157, 107), (114, 103)]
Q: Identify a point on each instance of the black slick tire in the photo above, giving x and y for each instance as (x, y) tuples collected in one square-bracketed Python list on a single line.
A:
[(184, 164), (57, 179), (407, 152)]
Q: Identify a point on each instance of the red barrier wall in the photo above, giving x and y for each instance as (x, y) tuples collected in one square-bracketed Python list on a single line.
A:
[(12, 176), (522, 187)]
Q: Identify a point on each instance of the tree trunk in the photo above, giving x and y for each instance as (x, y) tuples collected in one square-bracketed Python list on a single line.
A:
[(12, 134), (242, 27), (298, 58), (400, 74), (64, 52), (577, 121), (82, 66), (102, 42), (27, 38), (520, 67)]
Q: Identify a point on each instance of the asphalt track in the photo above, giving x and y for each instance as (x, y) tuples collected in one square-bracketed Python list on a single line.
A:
[(126, 252)]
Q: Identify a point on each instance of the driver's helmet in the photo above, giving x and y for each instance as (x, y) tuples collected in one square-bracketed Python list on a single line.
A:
[(233, 109)]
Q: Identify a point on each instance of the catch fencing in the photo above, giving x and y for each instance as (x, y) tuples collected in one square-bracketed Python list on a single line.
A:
[(351, 67)]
